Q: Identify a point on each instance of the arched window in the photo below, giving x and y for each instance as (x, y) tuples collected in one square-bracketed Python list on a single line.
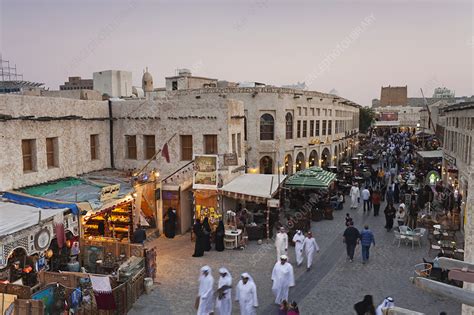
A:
[(289, 126), (266, 165), (300, 162), (267, 127), (313, 158)]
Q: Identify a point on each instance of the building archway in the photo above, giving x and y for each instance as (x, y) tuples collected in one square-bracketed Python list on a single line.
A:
[(266, 165), (326, 158), (313, 158), (300, 162), (288, 169)]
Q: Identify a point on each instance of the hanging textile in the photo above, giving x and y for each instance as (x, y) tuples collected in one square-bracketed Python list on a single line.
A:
[(103, 292), (59, 229)]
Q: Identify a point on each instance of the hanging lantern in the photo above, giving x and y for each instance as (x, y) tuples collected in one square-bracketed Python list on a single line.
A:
[(68, 243), (49, 253)]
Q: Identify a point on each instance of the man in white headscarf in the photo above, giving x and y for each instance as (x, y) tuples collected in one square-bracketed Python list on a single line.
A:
[(206, 294), (281, 243), (246, 295), (224, 291), (283, 278), (298, 240), (355, 194), (310, 247), (387, 303)]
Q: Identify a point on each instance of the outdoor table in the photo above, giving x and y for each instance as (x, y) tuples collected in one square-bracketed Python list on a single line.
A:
[(235, 235), (411, 235)]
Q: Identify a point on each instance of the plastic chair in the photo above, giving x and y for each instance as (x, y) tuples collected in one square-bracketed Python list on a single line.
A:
[(399, 237)]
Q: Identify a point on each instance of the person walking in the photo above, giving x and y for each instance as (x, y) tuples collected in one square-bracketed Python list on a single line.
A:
[(298, 239), (366, 198), (224, 292), (206, 228), (413, 214), (351, 238), (281, 243), (366, 306), (389, 212), (199, 242), (283, 278), (376, 201), (204, 300), (246, 295), (366, 240), (389, 196), (310, 247), (354, 193)]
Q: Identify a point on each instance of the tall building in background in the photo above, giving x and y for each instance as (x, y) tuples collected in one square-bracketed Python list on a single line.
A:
[(114, 83), (77, 83)]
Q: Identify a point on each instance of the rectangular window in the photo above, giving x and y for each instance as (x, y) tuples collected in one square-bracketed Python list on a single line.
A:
[(94, 140), (131, 142), (329, 127), (298, 129), (174, 85), (52, 152), (324, 128), (299, 111), (330, 112), (186, 147), (28, 149), (210, 144), (312, 111), (305, 128), (311, 128), (239, 145), (318, 110), (306, 111), (234, 145), (149, 146), (325, 112), (317, 128)]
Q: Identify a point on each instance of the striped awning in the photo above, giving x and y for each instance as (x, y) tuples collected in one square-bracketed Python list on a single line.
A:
[(313, 177)]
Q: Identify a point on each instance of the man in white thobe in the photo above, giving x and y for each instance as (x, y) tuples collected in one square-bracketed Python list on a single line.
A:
[(387, 303), (224, 291), (281, 243), (246, 295), (283, 278), (298, 240), (354, 193), (310, 246), (206, 294)]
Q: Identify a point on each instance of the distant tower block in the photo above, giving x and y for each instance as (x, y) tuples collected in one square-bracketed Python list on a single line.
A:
[(147, 82)]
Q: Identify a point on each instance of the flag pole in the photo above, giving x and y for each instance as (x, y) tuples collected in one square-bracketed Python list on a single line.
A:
[(154, 156)]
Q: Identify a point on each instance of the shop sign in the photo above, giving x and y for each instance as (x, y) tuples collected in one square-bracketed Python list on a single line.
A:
[(314, 141), (205, 171), (230, 159), (273, 203), (450, 159), (109, 192)]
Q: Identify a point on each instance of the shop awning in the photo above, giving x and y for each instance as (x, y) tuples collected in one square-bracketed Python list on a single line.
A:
[(431, 154), (39, 202), (16, 217), (253, 187), (313, 177)]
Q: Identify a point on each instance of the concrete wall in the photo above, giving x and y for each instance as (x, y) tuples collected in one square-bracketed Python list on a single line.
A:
[(73, 151), (115, 83)]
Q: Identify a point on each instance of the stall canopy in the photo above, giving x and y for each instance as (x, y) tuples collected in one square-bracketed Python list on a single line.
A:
[(16, 217), (39, 202), (87, 188), (431, 154), (253, 187), (313, 177)]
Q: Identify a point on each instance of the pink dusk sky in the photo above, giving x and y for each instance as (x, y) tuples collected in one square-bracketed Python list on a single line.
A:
[(354, 47)]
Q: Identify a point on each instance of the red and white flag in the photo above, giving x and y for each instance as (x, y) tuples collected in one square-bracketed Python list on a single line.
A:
[(165, 153), (58, 221)]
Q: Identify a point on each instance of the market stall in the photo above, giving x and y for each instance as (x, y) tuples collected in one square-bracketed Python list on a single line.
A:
[(34, 239), (247, 199)]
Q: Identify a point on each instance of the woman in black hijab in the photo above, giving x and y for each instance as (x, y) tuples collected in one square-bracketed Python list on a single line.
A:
[(220, 233), (199, 245), (170, 223), (366, 306), (207, 234)]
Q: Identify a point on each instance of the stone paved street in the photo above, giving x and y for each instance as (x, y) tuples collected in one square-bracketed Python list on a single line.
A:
[(332, 287)]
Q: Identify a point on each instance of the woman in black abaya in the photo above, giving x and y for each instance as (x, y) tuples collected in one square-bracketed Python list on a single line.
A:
[(220, 233), (199, 245), (207, 234)]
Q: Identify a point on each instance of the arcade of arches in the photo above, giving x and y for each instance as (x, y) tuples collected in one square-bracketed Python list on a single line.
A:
[(300, 162)]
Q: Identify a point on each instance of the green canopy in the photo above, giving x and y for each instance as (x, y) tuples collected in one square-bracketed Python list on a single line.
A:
[(313, 177)]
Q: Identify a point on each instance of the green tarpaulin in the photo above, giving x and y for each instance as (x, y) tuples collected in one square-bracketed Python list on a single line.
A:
[(45, 189), (313, 177)]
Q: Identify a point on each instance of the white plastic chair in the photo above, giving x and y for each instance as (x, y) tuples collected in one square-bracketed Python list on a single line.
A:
[(398, 237)]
